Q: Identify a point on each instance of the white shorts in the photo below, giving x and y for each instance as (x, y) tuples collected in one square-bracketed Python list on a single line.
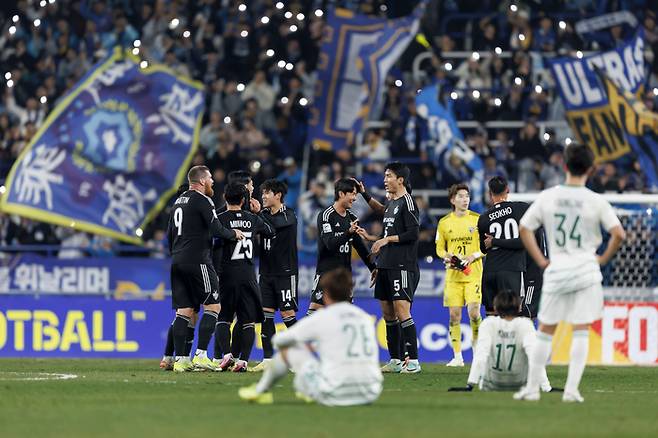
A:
[(582, 307), (310, 381)]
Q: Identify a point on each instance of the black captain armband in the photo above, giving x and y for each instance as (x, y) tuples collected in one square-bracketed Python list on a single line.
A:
[(366, 196)]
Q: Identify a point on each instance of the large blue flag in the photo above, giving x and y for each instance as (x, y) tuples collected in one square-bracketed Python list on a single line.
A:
[(637, 123), (442, 138), (356, 55), (585, 100), (111, 152)]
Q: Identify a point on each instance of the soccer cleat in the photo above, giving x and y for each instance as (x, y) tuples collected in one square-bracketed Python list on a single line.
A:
[(455, 362), (227, 362), (393, 366), (249, 393), (261, 366), (526, 394), (182, 365), (572, 397), (303, 397), (203, 363), (167, 363), (240, 367), (411, 367)]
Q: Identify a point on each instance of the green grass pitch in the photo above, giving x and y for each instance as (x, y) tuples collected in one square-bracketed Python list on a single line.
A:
[(125, 398)]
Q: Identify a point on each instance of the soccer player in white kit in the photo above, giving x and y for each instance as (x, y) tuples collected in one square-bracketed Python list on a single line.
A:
[(344, 371), (572, 217)]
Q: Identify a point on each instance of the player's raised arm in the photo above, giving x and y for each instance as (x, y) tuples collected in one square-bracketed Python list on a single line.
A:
[(363, 252), (374, 204)]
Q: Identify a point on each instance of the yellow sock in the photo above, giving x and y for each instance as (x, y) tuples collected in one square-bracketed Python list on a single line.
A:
[(475, 327), (455, 331)]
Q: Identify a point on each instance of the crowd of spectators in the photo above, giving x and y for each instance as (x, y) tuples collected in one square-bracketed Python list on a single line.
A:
[(258, 58)]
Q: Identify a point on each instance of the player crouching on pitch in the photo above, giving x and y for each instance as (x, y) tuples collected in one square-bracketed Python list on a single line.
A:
[(333, 352), (501, 359)]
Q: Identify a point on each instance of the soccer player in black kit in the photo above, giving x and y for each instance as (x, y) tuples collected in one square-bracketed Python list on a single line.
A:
[(397, 266), (278, 265), (505, 264), (240, 292), (192, 224), (337, 232)]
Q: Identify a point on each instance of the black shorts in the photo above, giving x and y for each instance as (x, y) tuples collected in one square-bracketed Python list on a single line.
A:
[(279, 292), (494, 282), (193, 285), (396, 284), (316, 292), (531, 295), (241, 298)]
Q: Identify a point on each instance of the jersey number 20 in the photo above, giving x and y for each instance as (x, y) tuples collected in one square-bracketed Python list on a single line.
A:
[(510, 227)]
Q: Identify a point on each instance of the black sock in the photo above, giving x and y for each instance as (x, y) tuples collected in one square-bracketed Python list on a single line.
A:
[(409, 335), (180, 334), (393, 335), (206, 329), (289, 321), (169, 346), (267, 330), (190, 339), (236, 336), (248, 337), (222, 339)]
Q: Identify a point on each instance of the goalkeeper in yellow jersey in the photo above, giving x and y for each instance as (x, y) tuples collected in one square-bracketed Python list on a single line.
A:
[(458, 244)]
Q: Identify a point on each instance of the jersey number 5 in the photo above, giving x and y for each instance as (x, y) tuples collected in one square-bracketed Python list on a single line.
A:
[(244, 249)]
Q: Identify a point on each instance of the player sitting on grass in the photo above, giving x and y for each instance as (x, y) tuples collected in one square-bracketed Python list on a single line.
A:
[(333, 352), (501, 359)]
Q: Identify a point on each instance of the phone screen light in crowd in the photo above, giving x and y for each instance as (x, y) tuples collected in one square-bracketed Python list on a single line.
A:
[(12, 30), (288, 15), (293, 28), (51, 1), (186, 34), (242, 7), (498, 102), (562, 24), (303, 101), (265, 20), (135, 51), (429, 259), (498, 50), (579, 54), (655, 91), (137, 43), (139, 232), (319, 13), (521, 37), (279, 5), (300, 17), (43, 99), (144, 64), (289, 66), (244, 34), (3, 189), (36, 22), (518, 80), (475, 56), (10, 83), (173, 24), (8, 75), (513, 7), (269, 53), (538, 89), (240, 87), (547, 136), (447, 66), (72, 224), (255, 166), (454, 95), (284, 100), (567, 141), (15, 19), (227, 120), (281, 64), (398, 83), (43, 3), (476, 94), (383, 8)]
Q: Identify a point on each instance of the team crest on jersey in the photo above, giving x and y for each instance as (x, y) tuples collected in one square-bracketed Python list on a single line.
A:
[(471, 229), (326, 228), (396, 209)]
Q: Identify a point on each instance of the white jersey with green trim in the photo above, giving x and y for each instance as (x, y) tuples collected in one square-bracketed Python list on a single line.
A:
[(501, 355)]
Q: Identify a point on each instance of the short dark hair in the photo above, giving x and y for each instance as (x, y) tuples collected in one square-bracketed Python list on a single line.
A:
[(241, 176), (196, 173), (234, 192), (507, 303), (345, 185), (452, 191), (401, 171), (337, 284), (579, 159), (275, 186), (497, 185)]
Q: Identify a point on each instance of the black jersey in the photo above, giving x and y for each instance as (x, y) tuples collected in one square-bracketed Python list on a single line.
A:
[(400, 219), (502, 222), (238, 256), (335, 242), (532, 270), (278, 254), (192, 225)]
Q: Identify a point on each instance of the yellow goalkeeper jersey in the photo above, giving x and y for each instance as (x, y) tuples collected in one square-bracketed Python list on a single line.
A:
[(459, 235)]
